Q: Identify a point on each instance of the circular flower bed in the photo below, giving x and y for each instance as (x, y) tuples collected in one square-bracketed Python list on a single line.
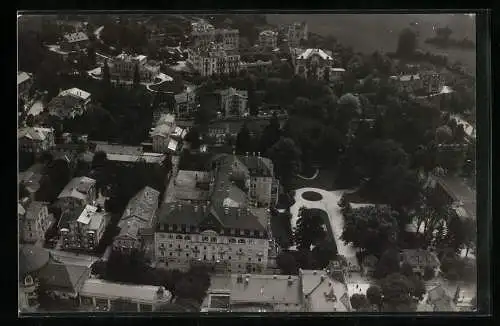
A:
[(312, 196)]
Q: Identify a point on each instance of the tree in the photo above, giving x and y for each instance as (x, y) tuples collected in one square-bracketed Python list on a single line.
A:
[(428, 273), (91, 55), (99, 160), (286, 158), (271, 133), (398, 186), (287, 264), (417, 287), (99, 268), (358, 301), (396, 292), (30, 120), (137, 76), (323, 253), (309, 229), (407, 43), (374, 295), (244, 140), (193, 138), (406, 270), (371, 228), (387, 264)]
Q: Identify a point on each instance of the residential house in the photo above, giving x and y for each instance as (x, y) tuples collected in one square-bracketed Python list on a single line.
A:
[(314, 64), (124, 65), (203, 34), (24, 83), (100, 295), (214, 59), (336, 74), (433, 82), (185, 103), (74, 41), (420, 260), (77, 193), (453, 191), (139, 214), (268, 39), (234, 102), (31, 179), (322, 293), (69, 103), (35, 139), (82, 228), (35, 222), (253, 293), (218, 215), (439, 300), (407, 83), (162, 132), (295, 33)]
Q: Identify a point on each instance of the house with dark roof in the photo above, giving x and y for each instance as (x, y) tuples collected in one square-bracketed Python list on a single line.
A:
[(313, 63), (74, 41), (31, 179), (63, 280), (69, 103), (80, 190), (420, 260), (35, 222), (139, 214)]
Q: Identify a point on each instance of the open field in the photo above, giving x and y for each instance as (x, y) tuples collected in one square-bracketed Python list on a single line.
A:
[(370, 32)]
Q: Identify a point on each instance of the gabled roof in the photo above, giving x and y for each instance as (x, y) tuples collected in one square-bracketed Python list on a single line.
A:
[(76, 93), (77, 188), (63, 277), (312, 52), (76, 37), (142, 206), (141, 293)]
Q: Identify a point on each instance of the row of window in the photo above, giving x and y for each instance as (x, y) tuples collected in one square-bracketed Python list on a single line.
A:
[(196, 255), (187, 228)]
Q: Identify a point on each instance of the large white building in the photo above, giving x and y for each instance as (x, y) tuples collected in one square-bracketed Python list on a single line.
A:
[(313, 64), (203, 34), (219, 216), (234, 102), (268, 39), (123, 68), (214, 59)]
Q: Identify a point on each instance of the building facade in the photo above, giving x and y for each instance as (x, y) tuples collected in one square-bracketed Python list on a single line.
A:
[(124, 65), (185, 104), (69, 103), (234, 102), (35, 222), (268, 39), (433, 82), (407, 83), (214, 59), (314, 64), (295, 33), (83, 230), (203, 34), (35, 139)]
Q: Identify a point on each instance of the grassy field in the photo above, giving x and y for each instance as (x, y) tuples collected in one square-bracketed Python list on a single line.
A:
[(368, 33)]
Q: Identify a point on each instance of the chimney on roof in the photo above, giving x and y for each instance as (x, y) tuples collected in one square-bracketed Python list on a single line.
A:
[(204, 208), (239, 279), (253, 153), (196, 208), (290, 281), (314, 272), (322, 278), (246, 154), (247, 279)]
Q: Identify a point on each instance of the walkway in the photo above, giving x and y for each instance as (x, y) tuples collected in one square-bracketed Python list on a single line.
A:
[(329, 203), (169, 195), (315, 175)]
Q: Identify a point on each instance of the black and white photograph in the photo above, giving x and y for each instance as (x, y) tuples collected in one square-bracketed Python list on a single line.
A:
[(257, 162)]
